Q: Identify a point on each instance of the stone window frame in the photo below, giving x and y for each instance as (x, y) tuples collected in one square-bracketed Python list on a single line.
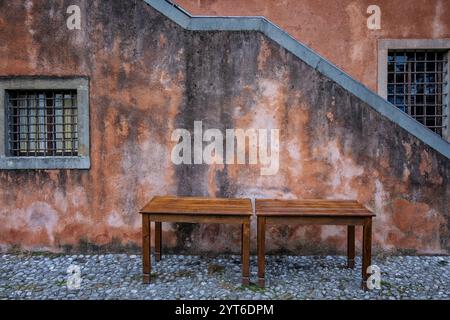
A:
[(82, 160), (384, 45)]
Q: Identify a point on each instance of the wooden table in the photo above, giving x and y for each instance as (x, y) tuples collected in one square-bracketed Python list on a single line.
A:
[(195, 210), (323, 212)]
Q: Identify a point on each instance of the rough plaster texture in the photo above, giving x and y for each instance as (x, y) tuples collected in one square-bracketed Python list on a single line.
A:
[(147, 77), (336, 29)]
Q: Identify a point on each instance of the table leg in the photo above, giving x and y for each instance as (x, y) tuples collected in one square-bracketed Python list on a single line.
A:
[(246, 253), (367, 250), (242, 240), (146, 250), (158, 238), (261, 242), (350, 247)]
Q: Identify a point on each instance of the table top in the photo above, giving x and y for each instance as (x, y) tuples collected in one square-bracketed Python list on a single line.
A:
[(311, 208), (198, 205)]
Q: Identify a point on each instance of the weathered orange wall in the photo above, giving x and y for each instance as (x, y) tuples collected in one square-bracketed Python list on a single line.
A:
[(148, 77), (337, 29)]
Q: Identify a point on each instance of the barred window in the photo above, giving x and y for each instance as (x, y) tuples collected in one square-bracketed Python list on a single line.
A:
[(416, 83), (42, 123)]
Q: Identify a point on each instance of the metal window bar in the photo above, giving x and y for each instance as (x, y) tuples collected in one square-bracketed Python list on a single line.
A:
[(416, 82), (42, 123)]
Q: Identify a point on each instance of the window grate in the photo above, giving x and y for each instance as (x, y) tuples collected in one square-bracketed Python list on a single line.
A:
[(42, 123), (416, 82)]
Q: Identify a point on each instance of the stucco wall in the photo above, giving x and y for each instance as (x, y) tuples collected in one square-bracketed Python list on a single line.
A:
[(337, 29), (148, 77)]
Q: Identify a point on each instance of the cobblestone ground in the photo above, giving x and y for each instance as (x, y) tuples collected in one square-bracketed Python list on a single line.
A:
[(118, 276)]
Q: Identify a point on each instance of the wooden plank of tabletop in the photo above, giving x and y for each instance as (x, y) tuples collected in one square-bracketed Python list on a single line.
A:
[(310, 207), (198, 205)]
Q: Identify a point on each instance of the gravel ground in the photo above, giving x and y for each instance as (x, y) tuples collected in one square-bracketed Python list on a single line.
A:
[(118, 276)]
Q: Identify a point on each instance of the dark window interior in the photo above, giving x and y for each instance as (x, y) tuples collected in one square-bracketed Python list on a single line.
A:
[(42, 123), (416, 80)]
